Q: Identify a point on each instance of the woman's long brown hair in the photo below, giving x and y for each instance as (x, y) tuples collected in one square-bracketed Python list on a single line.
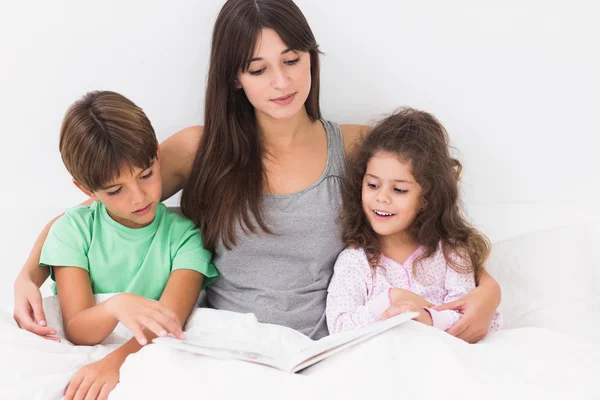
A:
[(225, 187), (418, 138)]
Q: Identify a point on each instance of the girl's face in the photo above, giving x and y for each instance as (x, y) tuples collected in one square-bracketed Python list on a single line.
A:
[(391, 197), (278, 80)]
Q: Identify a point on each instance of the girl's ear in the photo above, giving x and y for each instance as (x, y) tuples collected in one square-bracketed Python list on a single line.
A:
[(423, 205), (85, 190)]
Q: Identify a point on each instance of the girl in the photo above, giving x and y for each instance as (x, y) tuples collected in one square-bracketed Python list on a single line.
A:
[(262, 178), (409, 247)]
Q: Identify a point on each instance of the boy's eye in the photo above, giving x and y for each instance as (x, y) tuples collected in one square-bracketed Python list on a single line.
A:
[(148, 175), (114, 192), (292, 62), (401, 191)]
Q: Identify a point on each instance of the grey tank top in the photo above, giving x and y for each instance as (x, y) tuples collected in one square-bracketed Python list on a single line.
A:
[(282, 277)]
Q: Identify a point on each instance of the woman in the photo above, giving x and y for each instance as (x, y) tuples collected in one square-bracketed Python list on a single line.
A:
[(262, 179)]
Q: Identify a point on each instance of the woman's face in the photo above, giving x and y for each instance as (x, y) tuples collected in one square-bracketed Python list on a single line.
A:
[(278, 80)]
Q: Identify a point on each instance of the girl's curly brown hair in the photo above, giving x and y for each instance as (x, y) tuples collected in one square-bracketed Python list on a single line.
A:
[(419, 138)]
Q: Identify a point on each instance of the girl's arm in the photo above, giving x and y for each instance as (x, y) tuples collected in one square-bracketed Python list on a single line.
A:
[(348, 303), (177, 155), (179, 296), (87, 323)]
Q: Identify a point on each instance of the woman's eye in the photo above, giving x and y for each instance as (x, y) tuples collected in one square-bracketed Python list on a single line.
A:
[(114, 192), (292, 62), (257, 71)]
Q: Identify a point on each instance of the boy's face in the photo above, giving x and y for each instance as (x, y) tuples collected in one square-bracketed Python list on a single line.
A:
[(132, 198)]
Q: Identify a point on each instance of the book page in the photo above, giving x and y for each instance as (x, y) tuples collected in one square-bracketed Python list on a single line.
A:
[(226, 334), (334, 343)]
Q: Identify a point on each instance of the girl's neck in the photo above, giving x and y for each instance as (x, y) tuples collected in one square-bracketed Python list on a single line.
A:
[(282, 134), (398, 247)]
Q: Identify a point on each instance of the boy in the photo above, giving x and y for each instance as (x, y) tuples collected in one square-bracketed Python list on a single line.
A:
[(125, 242)]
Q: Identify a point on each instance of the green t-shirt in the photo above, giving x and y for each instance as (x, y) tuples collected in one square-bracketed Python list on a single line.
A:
[(121, 259)]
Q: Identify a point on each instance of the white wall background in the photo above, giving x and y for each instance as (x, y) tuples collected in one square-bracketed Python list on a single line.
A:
[(516, 83)]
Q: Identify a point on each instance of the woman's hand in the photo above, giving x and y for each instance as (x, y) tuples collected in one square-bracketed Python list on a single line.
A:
[(478, 308), (137, 312), (28, 311), (408, 306), (94, 381)]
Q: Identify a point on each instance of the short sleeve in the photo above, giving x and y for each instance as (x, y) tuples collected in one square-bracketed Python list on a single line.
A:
[(67, 243), (191, 254)]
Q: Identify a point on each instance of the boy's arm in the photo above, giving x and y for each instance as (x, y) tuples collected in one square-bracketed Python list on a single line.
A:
[(87, 323), (180, 296), (84, 322)]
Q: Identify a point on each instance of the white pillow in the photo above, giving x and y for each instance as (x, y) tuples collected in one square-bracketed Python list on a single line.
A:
[(549, 277)]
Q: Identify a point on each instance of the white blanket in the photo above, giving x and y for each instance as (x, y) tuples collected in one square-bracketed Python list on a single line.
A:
[(550, 349), (412, 360)]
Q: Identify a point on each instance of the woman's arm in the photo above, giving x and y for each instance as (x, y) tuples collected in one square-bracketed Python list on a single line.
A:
[(177, 155), (478, 308), (352, 135)]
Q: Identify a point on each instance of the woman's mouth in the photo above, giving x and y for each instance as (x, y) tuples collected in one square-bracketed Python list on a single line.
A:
[(284, 100)]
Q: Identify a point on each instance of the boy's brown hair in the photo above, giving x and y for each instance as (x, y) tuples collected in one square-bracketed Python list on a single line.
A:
[(101, 134)]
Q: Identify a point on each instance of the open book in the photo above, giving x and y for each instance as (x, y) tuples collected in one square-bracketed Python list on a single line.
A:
[(229, 335)]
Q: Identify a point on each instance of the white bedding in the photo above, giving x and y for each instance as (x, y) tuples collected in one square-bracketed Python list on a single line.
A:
[(551, 346)]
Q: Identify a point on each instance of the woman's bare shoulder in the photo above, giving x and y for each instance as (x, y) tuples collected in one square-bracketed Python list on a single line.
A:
[(177, 154), (353, 134)]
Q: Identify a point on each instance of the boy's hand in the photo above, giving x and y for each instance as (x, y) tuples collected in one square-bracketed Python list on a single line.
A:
[(28, 311), (400, 295), (137, 312), (94, 381), (408, 306)]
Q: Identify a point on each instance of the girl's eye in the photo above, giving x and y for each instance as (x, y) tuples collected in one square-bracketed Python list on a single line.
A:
[(292, 62), (257, 72), (372, 185), (401, 191), (148, 175), (114, 192)]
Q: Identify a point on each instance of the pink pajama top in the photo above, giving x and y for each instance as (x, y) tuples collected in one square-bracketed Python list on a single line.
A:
[(358, 295)]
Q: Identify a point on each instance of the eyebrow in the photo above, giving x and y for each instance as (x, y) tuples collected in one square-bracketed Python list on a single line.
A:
[(260, 58), (119, 184), (395, 180)]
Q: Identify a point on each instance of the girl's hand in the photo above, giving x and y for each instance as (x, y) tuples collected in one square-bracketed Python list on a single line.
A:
[(137, 312), (408, 306), (400, 295), (478, 309), (94, 381), (28, 311)]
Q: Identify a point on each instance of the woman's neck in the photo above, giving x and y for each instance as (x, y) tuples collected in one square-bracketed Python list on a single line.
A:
[(282, 134), (398, 247)]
